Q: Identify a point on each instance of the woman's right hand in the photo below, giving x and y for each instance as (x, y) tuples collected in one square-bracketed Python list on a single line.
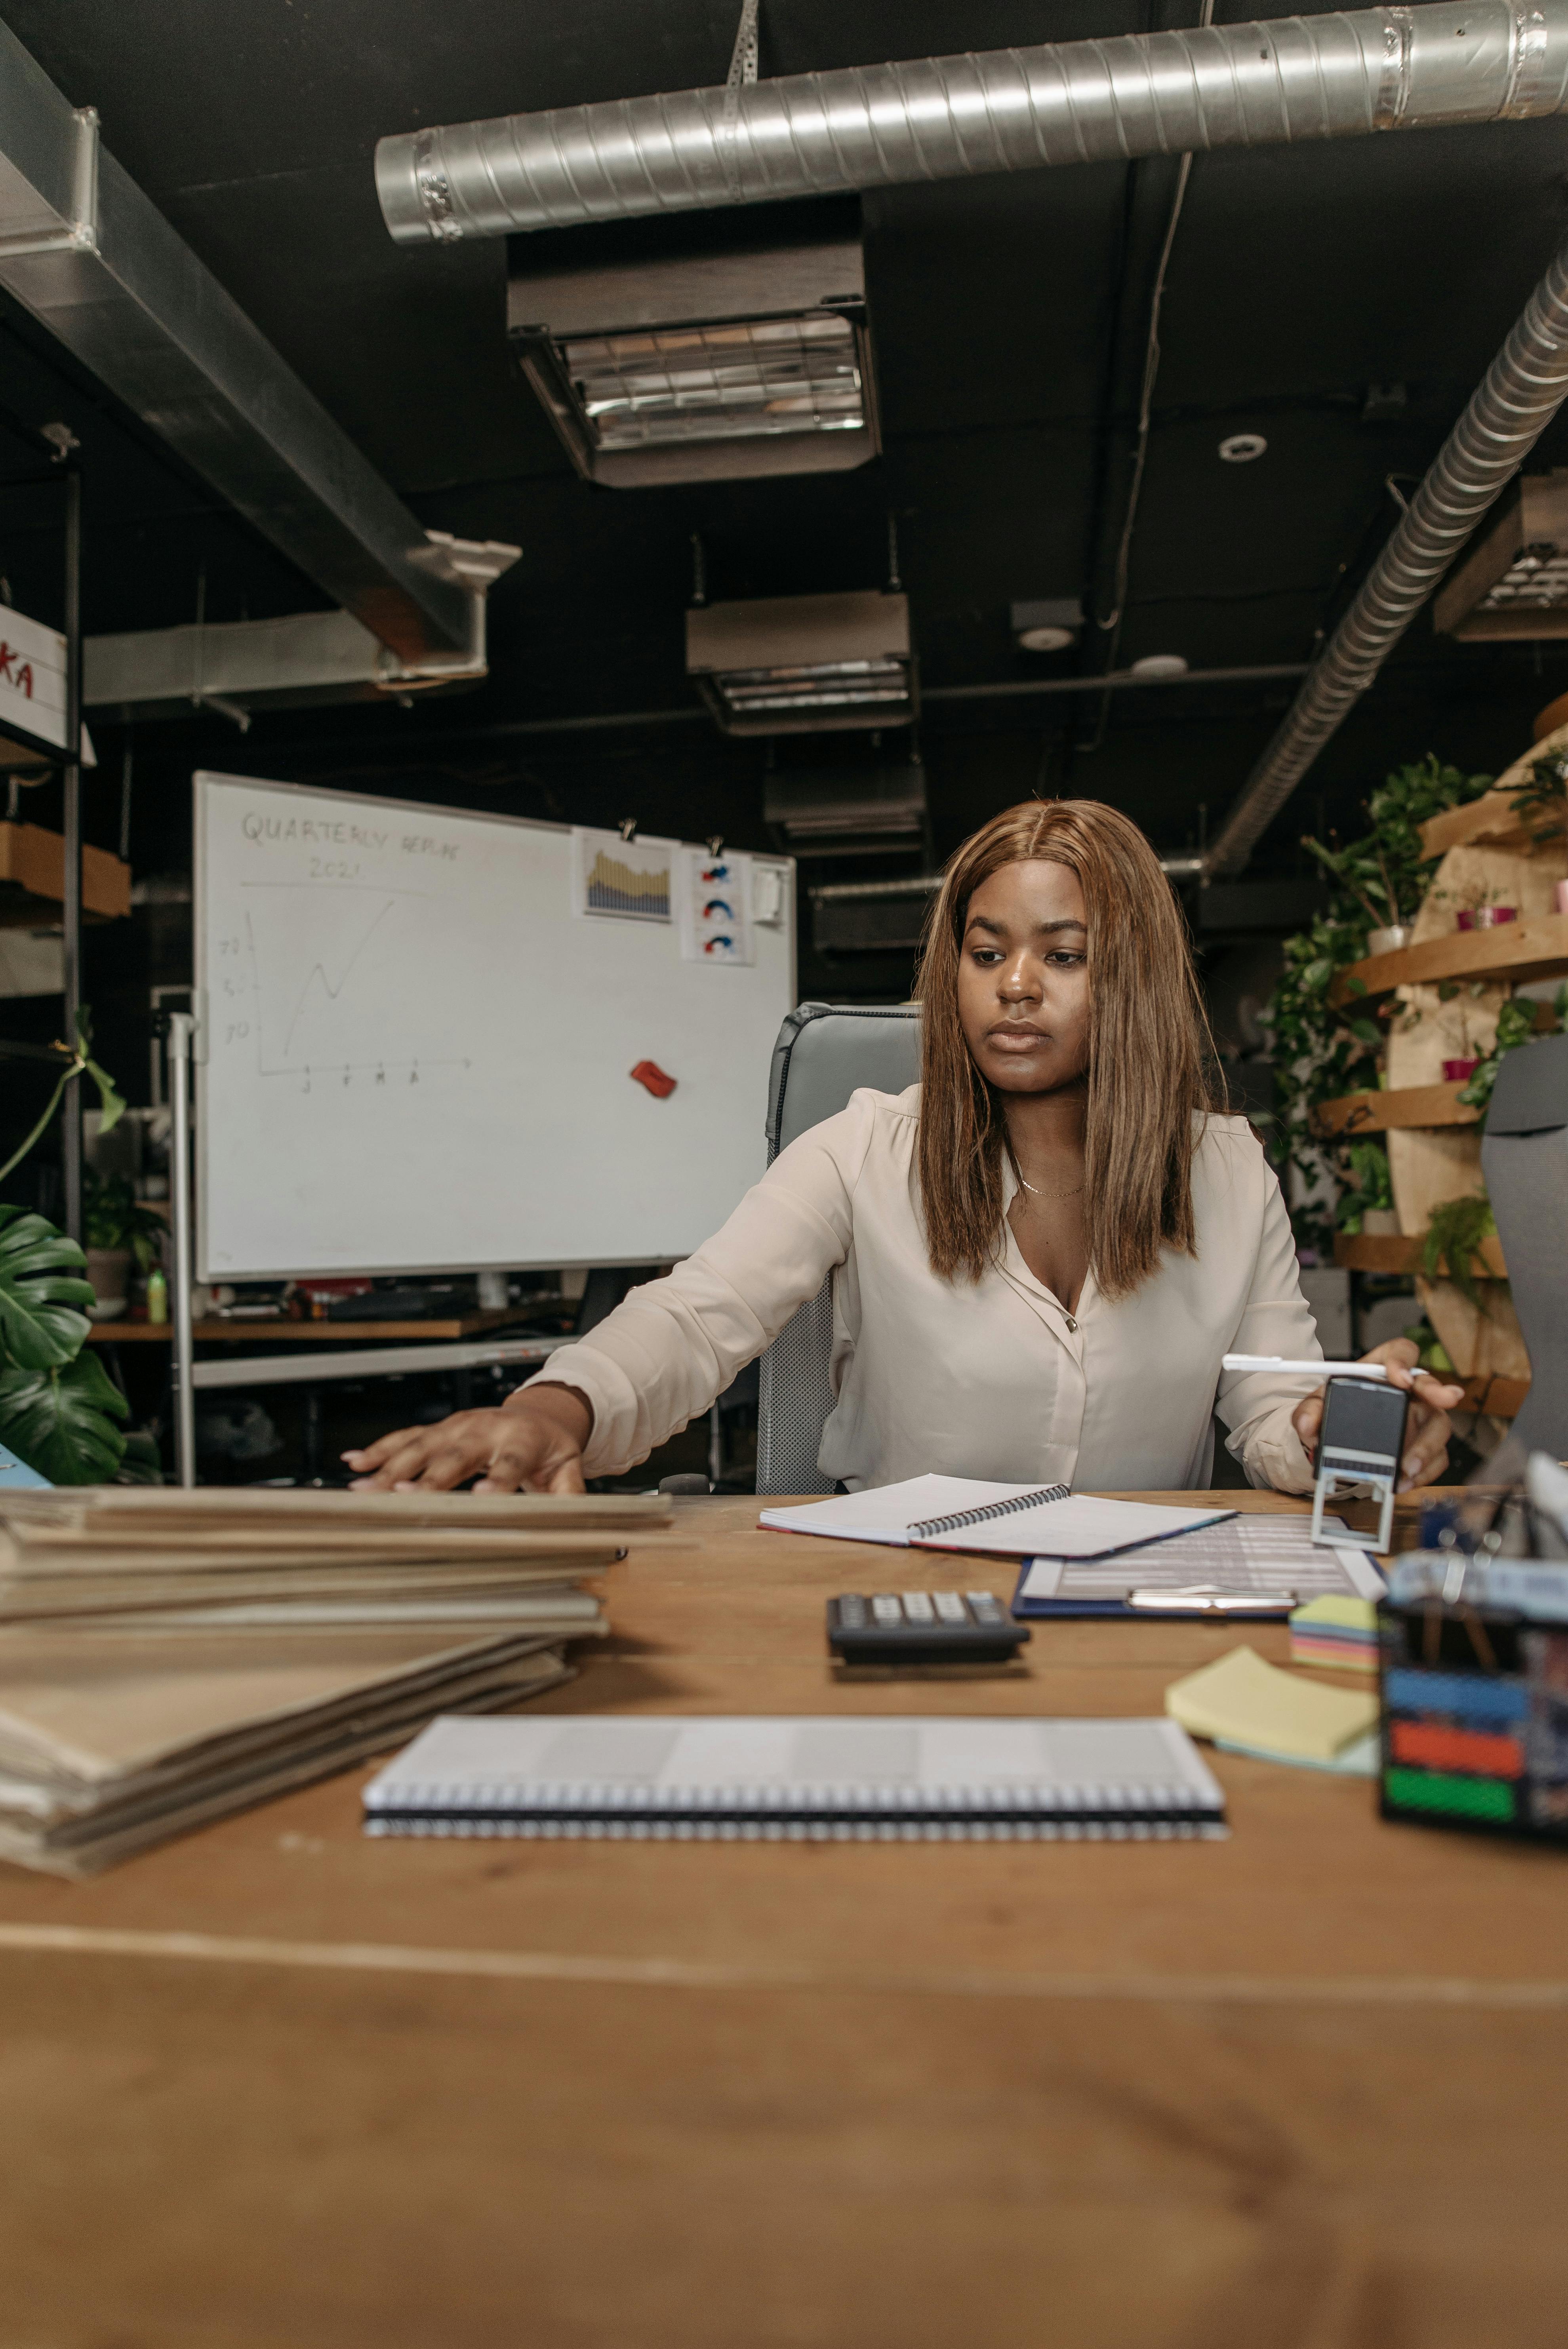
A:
[(533, 1444)]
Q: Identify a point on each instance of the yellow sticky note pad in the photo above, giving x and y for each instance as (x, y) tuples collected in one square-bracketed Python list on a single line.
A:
[(1338, 1633), (1337, 1613), (1250, 1703)]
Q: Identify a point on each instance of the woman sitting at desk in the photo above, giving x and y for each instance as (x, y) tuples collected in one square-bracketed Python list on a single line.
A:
[(1040, 1253)]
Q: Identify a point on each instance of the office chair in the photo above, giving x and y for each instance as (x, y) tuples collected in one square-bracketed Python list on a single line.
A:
[(825, 1053)]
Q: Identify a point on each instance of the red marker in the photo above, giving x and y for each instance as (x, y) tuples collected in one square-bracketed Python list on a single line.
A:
[(649, 1073)]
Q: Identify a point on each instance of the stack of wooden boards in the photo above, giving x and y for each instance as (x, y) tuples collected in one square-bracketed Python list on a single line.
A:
[(168, 1656)]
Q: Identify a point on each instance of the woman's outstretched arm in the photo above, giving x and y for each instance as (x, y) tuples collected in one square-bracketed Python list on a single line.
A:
[(661, 1357)]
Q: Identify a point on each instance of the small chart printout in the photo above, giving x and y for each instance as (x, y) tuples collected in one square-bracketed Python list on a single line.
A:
[(629, 880)]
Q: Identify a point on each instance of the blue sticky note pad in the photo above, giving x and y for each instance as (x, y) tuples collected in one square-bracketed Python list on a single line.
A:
[(14, 1473)]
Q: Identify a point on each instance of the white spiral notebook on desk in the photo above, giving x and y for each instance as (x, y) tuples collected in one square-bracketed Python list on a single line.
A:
[(810, 1779), (968, 1512)]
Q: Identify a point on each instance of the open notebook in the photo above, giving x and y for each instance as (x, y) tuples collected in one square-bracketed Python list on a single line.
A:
[(1009, 1520), (814, 1779)]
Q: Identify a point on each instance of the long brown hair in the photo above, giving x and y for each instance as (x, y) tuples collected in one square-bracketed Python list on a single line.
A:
[(1147, 1034)]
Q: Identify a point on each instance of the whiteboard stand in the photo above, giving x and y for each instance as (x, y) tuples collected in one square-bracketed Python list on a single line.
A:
[(181, 1042)]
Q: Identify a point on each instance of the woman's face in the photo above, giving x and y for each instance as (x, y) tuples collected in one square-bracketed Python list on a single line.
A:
[(1023, 979)]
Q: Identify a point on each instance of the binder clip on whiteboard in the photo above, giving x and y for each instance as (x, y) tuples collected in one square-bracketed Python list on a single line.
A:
[(1361, 1442)]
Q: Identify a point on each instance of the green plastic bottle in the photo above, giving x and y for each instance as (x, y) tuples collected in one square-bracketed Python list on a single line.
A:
[(157, 1294)]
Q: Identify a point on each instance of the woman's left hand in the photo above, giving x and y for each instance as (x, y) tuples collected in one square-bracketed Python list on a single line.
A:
[(1427, 1432)]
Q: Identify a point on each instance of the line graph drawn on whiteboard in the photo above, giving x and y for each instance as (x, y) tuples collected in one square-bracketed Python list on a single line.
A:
[(323, 992)]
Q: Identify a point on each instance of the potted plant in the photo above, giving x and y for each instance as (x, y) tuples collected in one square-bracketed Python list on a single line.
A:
[(59, 1412), (1481, 909), (1452, 1243), (119, 1231), (1368, 1205)]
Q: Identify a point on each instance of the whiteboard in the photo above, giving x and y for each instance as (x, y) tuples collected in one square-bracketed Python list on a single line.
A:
[(418, 1053)]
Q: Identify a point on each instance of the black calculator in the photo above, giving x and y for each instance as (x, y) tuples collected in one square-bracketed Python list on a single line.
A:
[(922, 1627)]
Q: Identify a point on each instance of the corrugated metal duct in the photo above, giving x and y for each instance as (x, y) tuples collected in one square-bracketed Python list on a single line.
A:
[(1516, 400), (1266, 84)]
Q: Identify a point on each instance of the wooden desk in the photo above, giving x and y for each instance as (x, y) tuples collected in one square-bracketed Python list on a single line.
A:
[(1301, 2090)]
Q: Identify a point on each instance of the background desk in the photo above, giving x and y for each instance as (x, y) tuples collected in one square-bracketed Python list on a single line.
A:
[(1302, 2090)]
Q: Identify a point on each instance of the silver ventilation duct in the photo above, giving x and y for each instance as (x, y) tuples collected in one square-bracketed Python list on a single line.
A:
[(96, 264), (1519, 394), (1258, 85)]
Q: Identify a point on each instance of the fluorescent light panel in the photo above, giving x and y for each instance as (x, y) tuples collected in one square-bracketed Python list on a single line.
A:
[(744, 379)]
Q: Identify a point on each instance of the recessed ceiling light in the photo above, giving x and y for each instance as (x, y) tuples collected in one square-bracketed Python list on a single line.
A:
[(1160, 665), (1241, 448)]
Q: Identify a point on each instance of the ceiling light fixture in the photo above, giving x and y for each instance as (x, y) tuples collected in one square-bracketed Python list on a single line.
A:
[(1515, 583), (680, 365), (1241, 448), (1160, 665), (1047, 625), (804, 664)]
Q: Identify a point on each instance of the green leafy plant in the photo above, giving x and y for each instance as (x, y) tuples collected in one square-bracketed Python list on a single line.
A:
[(1454, 1235), (81, 1063), (114, 1217), (1321, 1051), (1519, 1022), (59, 1412), (1370, 1185), (1434, 1354), (1545, 796)]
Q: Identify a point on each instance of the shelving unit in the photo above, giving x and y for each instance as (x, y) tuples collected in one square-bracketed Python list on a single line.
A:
[(33, 879), (1385, 1113), (213, 1331), (1393, 1252), (1535, 947)]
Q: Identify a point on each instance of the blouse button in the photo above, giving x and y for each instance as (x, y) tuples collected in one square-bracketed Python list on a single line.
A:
[(1071, 1323)]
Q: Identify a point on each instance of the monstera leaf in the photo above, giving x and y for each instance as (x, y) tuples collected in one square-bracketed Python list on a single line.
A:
[(61, 1420), (41, 1326)]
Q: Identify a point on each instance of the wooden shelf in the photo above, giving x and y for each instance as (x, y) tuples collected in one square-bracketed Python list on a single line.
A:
[(1393, 1252), (33, 878), (1490, 819), (1536, 947), (1503, 1398), (1383, 1112), (306, 1333)]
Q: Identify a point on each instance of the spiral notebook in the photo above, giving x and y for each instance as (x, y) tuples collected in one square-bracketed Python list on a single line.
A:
[(1008, 1520), (823, 1779)]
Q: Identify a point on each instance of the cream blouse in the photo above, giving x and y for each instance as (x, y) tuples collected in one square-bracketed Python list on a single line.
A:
[(998, 1380)]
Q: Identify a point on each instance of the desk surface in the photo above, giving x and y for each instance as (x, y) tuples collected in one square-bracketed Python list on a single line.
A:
[(276, 2085)]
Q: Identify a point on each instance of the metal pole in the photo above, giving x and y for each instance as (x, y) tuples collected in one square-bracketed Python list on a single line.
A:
[(71, 1112), (181, 1032)]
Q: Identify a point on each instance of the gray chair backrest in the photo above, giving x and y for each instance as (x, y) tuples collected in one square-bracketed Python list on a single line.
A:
[(1524, 1160), (825, 1053)]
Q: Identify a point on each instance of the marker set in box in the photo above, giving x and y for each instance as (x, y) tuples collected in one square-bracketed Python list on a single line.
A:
[(1474, 1683)]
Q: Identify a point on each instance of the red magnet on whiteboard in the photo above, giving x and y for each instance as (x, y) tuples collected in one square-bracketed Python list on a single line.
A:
[(649, 1073)]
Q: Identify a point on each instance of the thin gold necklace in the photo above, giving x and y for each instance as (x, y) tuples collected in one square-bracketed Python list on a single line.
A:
[(1036, 1193)]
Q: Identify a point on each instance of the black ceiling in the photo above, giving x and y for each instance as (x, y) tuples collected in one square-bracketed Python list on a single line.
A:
[(1010, 317)]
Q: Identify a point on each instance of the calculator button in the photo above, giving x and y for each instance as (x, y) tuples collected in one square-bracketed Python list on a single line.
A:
[(853, 1609), (982, 1607), (887, 1610), (949, 1607), (918, 1608)]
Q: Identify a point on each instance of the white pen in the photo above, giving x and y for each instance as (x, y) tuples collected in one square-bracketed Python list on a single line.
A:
[(1277, 1364)]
